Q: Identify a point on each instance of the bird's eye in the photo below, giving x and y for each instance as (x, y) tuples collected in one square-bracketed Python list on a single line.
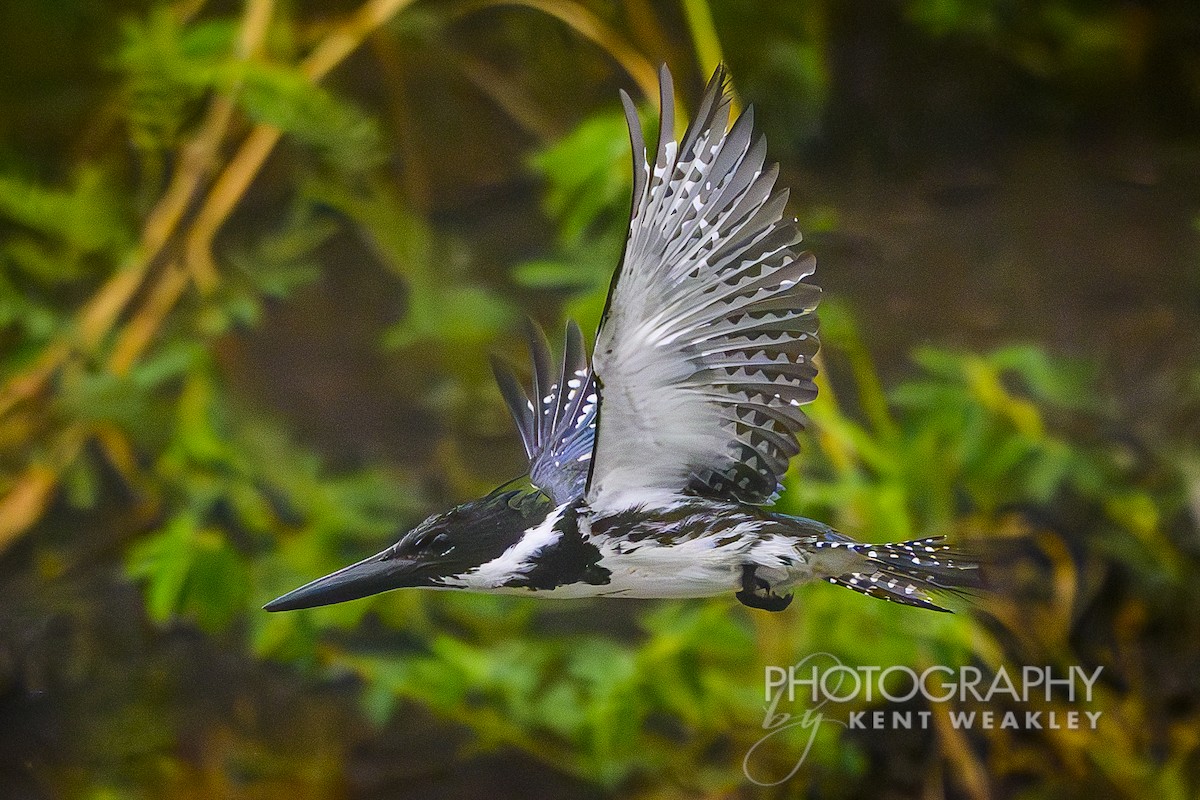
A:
[(440, 545)]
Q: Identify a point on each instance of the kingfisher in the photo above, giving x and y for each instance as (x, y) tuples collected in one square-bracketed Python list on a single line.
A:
[(653, 464)]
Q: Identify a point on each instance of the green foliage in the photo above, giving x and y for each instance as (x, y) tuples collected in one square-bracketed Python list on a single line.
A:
[(88, 218), (336, 129), (60, 237), (586, 703), (1084, 43), (972, 423), (252, 514), (588, 182), (167, 67), (945, 17), (441, 307), (587, 174), (220, 506), (273, 268), (190, 571)]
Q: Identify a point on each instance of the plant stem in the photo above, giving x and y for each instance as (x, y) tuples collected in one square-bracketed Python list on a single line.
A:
[(707, 43), (25, 502), (588, 25), (235, 180)]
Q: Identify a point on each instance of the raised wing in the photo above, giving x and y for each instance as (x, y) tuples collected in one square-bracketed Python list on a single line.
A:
[(705, 351), (558, 424)]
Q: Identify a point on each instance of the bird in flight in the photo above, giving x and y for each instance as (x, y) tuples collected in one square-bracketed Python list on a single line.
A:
[(652, 468)]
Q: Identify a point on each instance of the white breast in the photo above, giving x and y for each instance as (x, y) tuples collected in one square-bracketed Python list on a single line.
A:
[(696, 567)]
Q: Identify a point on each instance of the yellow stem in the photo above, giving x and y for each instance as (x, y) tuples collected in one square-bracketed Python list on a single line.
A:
[(233, 182), (588, 25), (707, 43), (137, 334), (31, 493), (24, 504)]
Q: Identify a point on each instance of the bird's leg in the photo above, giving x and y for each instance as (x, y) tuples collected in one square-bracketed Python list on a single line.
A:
[(757, 593)]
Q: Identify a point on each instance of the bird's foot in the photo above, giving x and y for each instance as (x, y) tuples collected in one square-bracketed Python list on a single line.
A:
[(757, 593)]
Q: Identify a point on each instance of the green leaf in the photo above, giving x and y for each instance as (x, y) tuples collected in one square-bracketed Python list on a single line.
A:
[(217, 581), (547, 274), (172, 360), (455, 315), (162, 561), (1066, 383), (587, 172), (285, 98), (944, 364), (285, 259), (87, 217), (839, 325), (167, 68), (82, 483)]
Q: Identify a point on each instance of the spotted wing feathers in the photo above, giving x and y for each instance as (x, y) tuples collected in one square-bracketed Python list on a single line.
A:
[(558, 423), (705, 352)]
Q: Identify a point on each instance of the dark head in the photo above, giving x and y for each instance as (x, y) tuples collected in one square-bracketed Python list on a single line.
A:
[(436, 553)]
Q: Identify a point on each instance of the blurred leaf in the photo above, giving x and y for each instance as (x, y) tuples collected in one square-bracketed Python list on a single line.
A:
[(167, 67), (554, 275), (464, 315), (587, 173), (285, 98), (1060, 382), (162, 561), (217, 582), (88, 218)]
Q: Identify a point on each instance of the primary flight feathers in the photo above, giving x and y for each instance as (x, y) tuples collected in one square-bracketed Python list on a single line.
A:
[(705, 351)]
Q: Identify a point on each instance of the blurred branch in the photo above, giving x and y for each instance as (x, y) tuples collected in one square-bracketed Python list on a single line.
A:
[(589, 26), (255, 22), (414, 172), (509, 98), (345, 38), (970, 774), (646, 30), (102, 311), (185, 10), (139, 331), (26, 500), (32, 491), (245, 164)]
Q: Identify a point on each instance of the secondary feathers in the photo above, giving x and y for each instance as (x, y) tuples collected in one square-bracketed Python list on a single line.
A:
[(558, 422)]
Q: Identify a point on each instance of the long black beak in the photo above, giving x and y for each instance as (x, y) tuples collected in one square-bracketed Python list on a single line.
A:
[(369, 576)]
